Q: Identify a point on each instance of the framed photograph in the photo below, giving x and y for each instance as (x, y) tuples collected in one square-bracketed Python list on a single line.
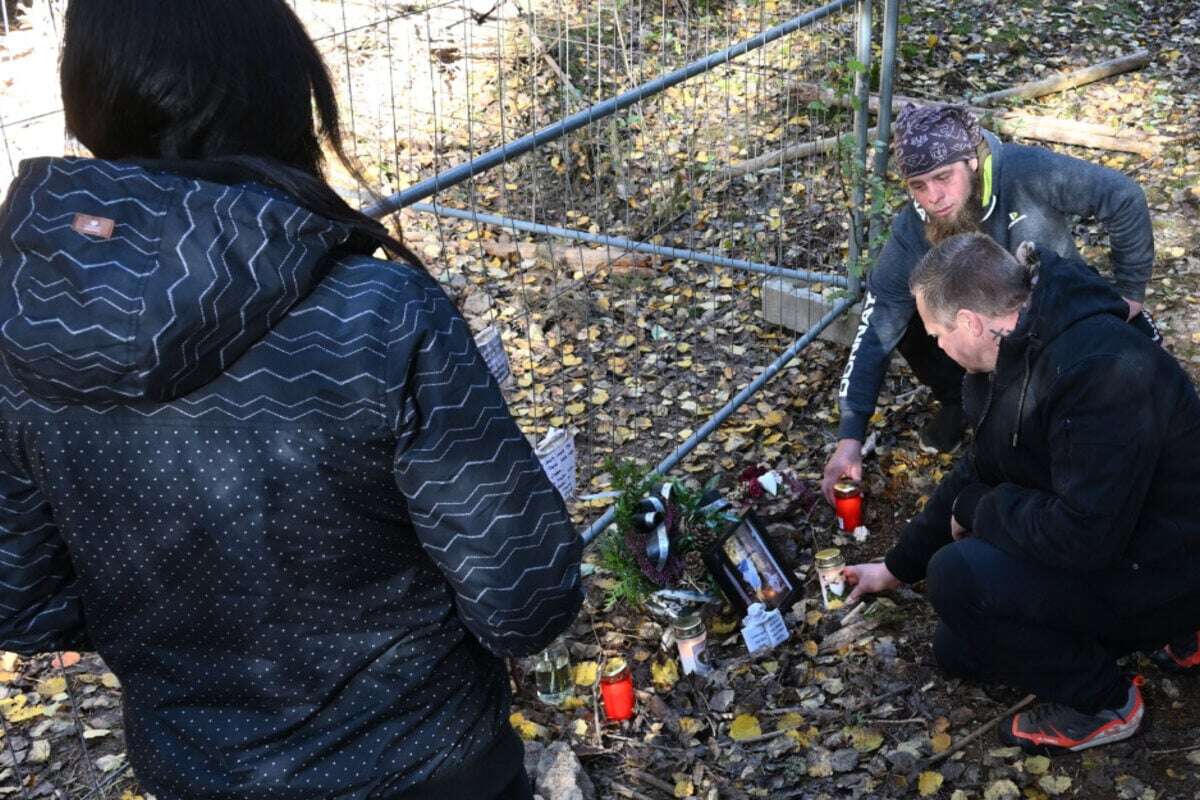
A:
[(749, 569)]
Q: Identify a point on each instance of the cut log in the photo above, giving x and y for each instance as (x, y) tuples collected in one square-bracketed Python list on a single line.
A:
[(1067, 80), (587, 259)]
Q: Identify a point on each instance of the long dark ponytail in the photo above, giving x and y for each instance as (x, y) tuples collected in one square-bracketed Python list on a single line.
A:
[(233, 82)]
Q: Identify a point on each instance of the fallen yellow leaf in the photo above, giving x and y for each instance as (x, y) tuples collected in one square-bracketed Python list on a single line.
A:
[(684, 786), (929, 783), (864, 740), (586, 673), (525, 728), (745, 726), (51, 686), (789, 722), (665, 673), (940, 741)]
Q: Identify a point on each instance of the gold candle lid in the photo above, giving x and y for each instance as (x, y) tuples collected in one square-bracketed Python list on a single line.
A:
[(614, 667), (847, 488), (829, 558)]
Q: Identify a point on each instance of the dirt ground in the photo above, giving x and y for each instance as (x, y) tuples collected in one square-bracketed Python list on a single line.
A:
[(635, 355)]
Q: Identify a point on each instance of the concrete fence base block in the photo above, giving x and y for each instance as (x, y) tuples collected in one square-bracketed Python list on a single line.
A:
[(793, 305)]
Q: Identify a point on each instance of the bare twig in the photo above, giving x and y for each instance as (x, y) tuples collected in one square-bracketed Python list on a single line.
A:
[(1175, 750), (966, 740)]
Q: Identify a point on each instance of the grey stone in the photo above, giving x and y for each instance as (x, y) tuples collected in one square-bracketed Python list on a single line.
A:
[(793, 305), (844, 760), (560, 776), (902, 760)]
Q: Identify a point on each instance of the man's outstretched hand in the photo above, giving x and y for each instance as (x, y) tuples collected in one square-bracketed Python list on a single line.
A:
[(846, 462), (869, 579)]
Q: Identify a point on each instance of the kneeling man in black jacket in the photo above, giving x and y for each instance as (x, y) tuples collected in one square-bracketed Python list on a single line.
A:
[(1068, 535)]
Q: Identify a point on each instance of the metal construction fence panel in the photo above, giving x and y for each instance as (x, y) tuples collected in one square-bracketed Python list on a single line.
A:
[(598, 187)]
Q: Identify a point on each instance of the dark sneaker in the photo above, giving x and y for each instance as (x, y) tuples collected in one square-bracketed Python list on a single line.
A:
[(1181, 655), (1050, 728), (944, 430)]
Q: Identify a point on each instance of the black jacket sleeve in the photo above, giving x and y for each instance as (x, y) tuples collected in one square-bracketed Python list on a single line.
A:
[(481, 504), (1102, 462), (40, 609), (1086, 190), (888, 308), (929, 531)]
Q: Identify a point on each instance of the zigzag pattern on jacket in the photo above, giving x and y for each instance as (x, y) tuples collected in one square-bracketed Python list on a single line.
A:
[(222, 383)]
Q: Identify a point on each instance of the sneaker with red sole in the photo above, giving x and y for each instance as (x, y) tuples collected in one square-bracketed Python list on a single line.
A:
[(1181, 655), (1050, 728)]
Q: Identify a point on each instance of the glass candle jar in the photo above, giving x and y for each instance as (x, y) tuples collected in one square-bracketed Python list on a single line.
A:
[(616, 688), (552, 674), (848, 504), (690, 638), (831, 567)]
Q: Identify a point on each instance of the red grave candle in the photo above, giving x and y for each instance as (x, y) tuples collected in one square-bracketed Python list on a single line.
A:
[(616, 688), (848, 503)]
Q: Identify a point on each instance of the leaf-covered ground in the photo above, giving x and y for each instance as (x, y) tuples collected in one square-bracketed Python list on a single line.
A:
[(635, 355)]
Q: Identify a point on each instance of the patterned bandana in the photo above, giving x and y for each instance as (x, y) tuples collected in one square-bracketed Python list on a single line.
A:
[(928, 137)]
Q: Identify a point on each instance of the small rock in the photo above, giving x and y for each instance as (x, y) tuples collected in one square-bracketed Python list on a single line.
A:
[(844, 760), (1169, 688), (885, 648), (533, 754), (953, 770), (1129, 787), (560, 776), (721, 701), (902, 760)]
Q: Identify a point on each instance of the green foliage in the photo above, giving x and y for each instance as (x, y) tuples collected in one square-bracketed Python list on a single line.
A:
[(629, 585)]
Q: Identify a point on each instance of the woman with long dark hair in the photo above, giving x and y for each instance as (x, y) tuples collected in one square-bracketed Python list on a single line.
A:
[(265, 475)]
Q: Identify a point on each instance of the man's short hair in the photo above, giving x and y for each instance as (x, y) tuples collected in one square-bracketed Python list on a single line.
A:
[(928, 137), (972, 271)]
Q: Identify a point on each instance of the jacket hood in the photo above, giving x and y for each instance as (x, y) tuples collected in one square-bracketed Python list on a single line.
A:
[(120, 282), (1066, 291)]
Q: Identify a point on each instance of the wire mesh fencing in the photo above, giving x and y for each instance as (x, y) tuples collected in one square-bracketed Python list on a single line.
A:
[(624, 176)]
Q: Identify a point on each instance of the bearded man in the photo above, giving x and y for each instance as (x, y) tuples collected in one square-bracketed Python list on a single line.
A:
[(962, 180)]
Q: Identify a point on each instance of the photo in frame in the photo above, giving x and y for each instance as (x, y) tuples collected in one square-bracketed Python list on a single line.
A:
[(749, 569)]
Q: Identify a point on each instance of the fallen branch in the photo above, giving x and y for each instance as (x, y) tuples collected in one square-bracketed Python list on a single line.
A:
[(966, 740), (587, 259), (1067, 80)]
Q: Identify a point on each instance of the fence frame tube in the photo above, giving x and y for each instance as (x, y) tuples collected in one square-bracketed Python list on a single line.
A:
[(887, 73), (483, 163), (631, 245)]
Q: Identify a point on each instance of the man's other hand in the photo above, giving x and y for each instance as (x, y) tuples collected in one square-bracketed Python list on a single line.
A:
[(869, 579), (846, 462), (1135, 308)]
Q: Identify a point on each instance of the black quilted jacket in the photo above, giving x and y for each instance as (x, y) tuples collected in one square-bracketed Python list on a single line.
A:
[(273, 483)]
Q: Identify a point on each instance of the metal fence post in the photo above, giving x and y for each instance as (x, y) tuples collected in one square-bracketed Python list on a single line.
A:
[(887, 71), (862, 95)]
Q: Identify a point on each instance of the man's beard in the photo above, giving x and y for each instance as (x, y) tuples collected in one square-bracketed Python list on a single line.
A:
[(966, 220)]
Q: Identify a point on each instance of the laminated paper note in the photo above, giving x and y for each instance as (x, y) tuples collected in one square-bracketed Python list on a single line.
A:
[(556, 451), (492, 349)]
